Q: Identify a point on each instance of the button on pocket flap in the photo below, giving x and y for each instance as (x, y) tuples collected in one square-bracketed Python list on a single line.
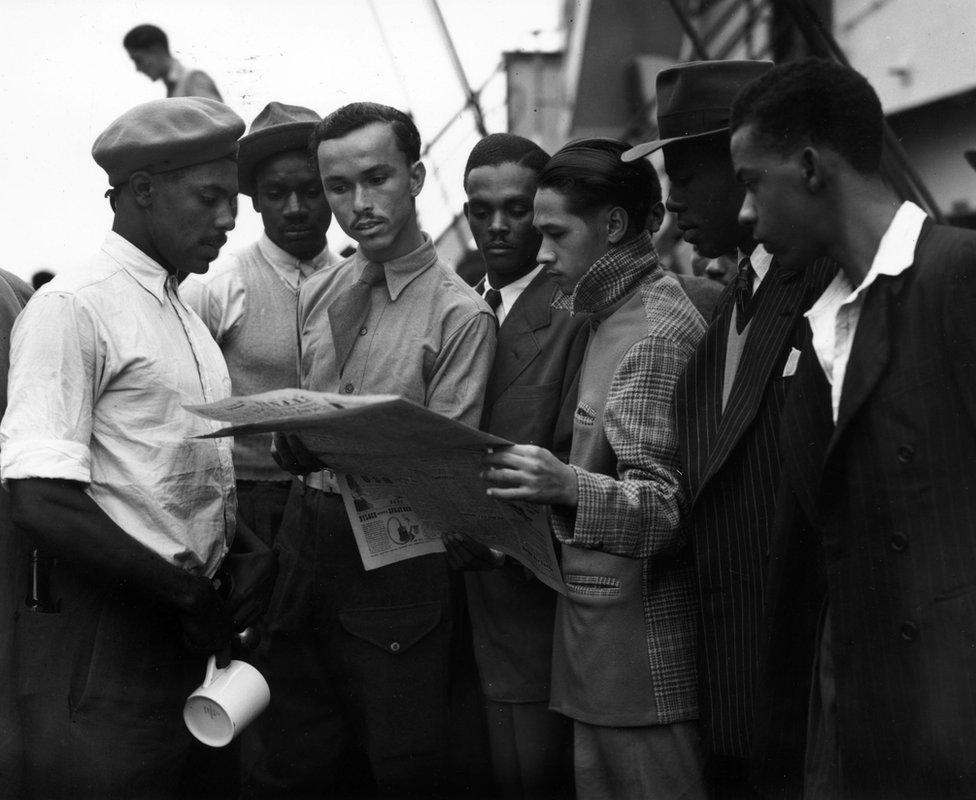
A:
[(392, 628)]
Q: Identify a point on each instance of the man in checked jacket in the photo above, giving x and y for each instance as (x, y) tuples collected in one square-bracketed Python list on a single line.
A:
[(623, 654)]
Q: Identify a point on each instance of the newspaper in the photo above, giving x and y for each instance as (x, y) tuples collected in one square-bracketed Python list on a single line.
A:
[(407, 474)]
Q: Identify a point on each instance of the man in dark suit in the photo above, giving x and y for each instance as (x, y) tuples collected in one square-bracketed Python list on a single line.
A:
[(879, 447), (530, 399), (728, 401)]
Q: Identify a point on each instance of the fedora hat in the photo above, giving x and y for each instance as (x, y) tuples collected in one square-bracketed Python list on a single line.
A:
[(277, 129), (693, 100)]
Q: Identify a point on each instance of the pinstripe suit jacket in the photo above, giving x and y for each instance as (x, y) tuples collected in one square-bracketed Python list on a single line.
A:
[(887, 501), (731, 466)]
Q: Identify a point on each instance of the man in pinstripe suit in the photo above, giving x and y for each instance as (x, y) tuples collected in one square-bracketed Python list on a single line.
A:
[(728, 402), (879, 452)]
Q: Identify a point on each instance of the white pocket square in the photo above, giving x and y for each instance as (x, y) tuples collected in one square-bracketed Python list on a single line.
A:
[(791, 362)]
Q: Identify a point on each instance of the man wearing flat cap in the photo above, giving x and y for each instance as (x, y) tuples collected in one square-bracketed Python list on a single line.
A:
[(250, 301), (728, 401), (130, 514)]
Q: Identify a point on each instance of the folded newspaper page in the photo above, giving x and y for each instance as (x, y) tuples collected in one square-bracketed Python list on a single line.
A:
[(407, 474)]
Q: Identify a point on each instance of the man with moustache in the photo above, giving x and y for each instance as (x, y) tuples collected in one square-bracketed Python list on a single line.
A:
[(249, 302), (360, 660), (530, 399), (728, 402), (131, 513), (879, 453)]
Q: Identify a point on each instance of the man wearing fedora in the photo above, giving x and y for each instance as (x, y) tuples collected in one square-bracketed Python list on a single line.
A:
[(728, 401), (250, 302), (132, 514)]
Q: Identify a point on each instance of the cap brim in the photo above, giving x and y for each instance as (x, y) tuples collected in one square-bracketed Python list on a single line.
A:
[(971, 158), (255, 147), (641, 150)]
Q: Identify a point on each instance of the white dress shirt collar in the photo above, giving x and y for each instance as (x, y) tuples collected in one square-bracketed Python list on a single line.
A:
[(834, 317), (510, 292)]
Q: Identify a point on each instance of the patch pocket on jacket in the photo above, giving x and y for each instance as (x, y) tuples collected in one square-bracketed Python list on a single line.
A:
[(584, 415), (592, 585)]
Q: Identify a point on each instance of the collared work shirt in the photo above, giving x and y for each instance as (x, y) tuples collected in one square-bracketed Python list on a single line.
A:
[(102, 362), (834, 317), (428, 337)]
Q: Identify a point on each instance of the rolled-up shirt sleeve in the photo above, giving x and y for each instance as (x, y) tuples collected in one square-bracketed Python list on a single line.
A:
[(54, 365)]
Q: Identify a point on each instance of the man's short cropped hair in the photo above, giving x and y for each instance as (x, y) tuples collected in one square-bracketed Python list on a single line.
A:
[(355, 116), (505, 148), (142, 37), (818, 101), (590, 175)]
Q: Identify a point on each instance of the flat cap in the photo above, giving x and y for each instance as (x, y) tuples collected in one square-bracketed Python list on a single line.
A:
[(167, 134), (279, 128)]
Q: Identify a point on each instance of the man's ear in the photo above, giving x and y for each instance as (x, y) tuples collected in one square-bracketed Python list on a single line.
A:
[(464, 209), (655, 217), (254, 201), (418, 173), (141, 184), (812, 164), (617, 221)]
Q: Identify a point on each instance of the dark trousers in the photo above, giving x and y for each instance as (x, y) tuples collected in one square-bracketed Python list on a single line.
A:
[(358, 664), (261, 506), (100, 690)]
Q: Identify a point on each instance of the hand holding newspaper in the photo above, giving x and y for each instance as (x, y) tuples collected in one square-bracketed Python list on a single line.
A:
[(407, 475)]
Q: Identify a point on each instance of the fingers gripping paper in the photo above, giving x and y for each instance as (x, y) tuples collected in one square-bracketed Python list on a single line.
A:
[(407, 474)]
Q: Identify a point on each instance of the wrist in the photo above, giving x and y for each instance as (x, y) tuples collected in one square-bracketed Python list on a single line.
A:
[(570, 493)]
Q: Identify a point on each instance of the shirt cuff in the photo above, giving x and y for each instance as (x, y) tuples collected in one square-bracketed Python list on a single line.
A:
[(59, 459)]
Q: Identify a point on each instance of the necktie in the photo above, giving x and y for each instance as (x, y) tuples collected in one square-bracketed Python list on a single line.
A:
[(493, 298), (350, 310), (743, 293)]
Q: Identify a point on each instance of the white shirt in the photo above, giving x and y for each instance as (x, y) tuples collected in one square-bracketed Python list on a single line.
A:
[(219, 295), (102, 361), (834, 317), (510, 293)]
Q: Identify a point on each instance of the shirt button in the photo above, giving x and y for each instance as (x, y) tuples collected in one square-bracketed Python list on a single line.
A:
[(906, 453), (362, 331), (909, 631), (348, 388), (394, 647), (898, 542)]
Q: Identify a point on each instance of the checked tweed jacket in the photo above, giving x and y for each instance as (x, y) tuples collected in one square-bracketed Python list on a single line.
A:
[(625, 559)]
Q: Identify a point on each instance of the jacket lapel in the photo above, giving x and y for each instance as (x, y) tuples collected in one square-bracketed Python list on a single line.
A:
[(771, 330), (805, 429), (702, 380), (516, 335), (870, 350)]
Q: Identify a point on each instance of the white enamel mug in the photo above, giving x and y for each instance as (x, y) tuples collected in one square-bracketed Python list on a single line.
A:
[(227, 701)]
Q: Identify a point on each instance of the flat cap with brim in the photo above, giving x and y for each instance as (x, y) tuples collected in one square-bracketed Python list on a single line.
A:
[(279, 128), (693, 100), (168, 134)]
